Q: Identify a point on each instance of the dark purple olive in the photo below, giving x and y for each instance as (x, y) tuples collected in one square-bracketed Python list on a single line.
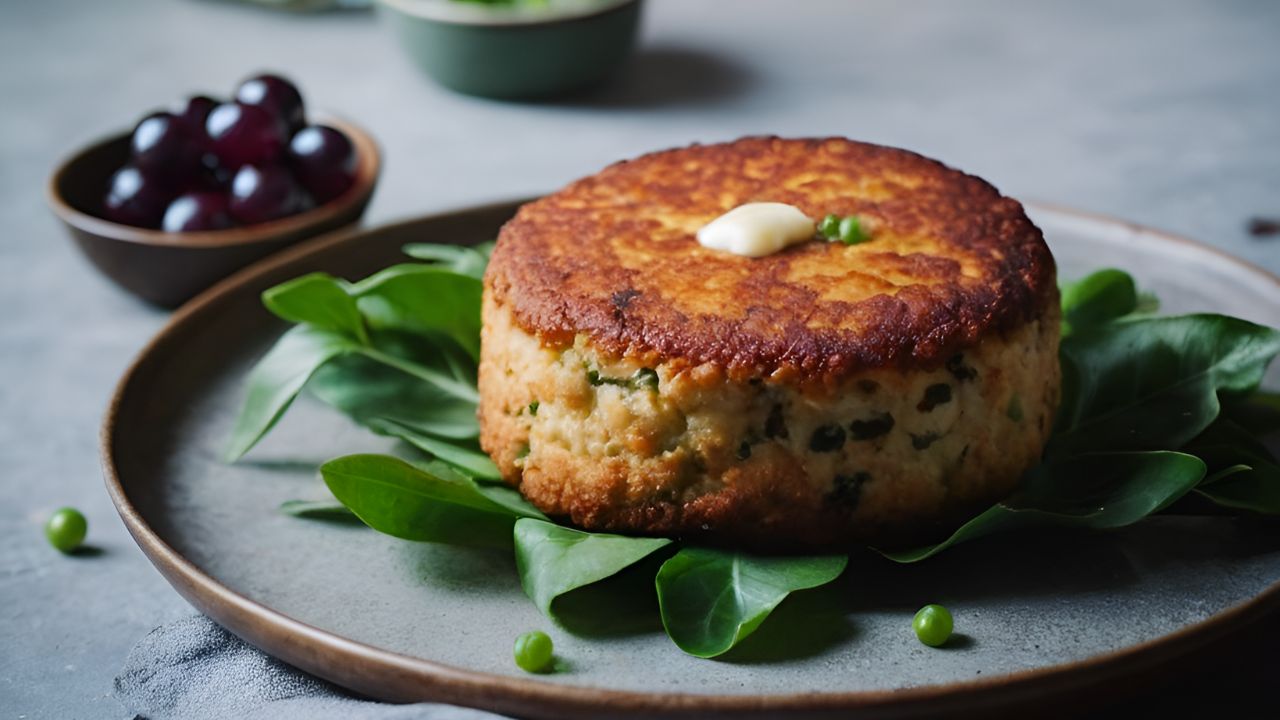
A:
[(162, 145), (135, 198), (244, 135), (264, 192), (275, 95), (323, 161), (194, 112), (197, 211), (212, 177)]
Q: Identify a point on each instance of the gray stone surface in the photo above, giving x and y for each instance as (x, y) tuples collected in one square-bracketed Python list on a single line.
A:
[(1161, 112)]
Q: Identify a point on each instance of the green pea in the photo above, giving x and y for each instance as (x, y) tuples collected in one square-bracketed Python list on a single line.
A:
[(533, 651), (851, 232), (932, 625), (830, 226), (66, 529)]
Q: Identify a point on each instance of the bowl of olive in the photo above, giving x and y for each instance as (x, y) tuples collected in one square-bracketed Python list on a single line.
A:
[(194, 193)]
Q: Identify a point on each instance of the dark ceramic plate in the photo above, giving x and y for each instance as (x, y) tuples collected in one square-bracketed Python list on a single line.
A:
[(1041, 619)]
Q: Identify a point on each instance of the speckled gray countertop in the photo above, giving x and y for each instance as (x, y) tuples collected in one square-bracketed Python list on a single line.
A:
[(1164, 113)]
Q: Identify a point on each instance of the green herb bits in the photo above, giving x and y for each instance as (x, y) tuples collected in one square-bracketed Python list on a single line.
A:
[(534, 652), (643, 378), (933, 625), (827, 438), (934, 395), (1014, 409), (871, 427), (646, 378)]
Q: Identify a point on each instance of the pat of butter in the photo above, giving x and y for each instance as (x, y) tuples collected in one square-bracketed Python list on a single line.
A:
[(757, 229)]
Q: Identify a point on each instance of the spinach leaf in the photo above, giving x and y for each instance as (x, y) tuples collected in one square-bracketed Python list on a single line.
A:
[(397, 498), (428, 349), (278, 378), (363, 389), (1097, 490), (1097, 299), (459, 258), (711, 599), (508, 497), (319, 300), (1151, 384), (318, 510), (424, 297), (1244, 475), (503, 495), (553, 560), (1258, 413), (469, 457), (1254, 487), (446, 382)]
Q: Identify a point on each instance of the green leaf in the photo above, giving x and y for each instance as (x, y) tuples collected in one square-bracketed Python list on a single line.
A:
[(446, 382), (1255, 488), (711, 599), (428, 349), (1258, 413), (331, 510), (553, 560), (424, 297), (397, 498), (1098, 491), (503, 495), (468, 458), (458, 258), (1225, 443), (1243, 473), (278, 378), (510, 498), (364, 389), (1097, 299), (1152, 384), (319, 300)]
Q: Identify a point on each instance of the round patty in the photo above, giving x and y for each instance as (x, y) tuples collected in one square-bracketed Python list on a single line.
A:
[(632, 380)]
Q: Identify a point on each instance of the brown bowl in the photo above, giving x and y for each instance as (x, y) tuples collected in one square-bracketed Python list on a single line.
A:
[(169, 268)]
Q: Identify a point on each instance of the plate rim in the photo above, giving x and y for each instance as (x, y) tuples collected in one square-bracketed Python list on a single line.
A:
[(398, 677)]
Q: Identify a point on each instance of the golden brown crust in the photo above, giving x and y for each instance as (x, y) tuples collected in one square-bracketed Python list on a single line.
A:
[(614, 256)]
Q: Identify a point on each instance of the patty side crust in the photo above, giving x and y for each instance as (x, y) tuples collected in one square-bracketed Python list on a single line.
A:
[(886, 458)]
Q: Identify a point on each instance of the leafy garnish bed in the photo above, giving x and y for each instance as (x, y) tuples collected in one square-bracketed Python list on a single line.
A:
[(1154, 409)]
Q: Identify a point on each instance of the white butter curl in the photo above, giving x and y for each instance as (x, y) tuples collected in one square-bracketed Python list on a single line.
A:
[(757, 229)]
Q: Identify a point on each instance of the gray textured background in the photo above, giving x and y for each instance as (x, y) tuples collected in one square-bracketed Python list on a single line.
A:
[(1165, 113)]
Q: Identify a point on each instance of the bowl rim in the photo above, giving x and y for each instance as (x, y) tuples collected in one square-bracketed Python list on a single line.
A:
[(448, 12), (368, 167)]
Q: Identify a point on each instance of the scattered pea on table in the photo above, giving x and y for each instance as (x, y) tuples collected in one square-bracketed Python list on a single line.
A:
[(66, 529)]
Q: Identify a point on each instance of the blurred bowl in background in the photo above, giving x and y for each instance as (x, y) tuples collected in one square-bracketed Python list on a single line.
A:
[(169, 268), (515, 52)]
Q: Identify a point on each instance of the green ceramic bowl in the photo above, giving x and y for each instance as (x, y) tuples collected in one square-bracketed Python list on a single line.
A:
[(515, 53)]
